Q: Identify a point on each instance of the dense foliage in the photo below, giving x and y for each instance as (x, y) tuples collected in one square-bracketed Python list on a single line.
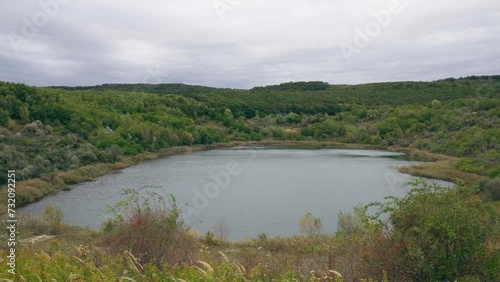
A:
[(61, 135), (441, 234), (48, 130)]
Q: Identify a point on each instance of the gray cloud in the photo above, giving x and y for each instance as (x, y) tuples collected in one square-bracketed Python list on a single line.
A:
[(257, 43)]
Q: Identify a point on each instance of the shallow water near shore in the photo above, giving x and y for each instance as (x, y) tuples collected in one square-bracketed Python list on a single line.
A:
[(252, 189)]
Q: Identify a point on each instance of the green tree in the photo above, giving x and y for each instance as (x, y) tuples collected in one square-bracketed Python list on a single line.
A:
[(293, 118), (4, 117), (228, 118), (436, 104), (24, 114), (389, 126)]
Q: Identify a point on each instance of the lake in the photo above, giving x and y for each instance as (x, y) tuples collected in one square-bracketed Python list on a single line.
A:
[(253, 190)]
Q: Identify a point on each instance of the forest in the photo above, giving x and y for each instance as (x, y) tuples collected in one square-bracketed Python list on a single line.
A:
[(57, 136)]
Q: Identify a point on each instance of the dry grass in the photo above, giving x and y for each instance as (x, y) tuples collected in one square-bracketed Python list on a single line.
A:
[(146, 156), (421, 155), (312, 144), (444, 170), (85, 173), (26, 192)]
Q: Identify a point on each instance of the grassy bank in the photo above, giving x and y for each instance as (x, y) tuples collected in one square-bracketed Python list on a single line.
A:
[(443, 170), (437, 166)]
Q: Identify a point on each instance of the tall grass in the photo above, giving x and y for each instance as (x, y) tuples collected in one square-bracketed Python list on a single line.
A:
[(147, 241), (444, 170), (85, 173)]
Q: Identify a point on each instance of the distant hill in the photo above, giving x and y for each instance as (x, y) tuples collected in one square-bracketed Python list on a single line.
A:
[(44, 130)]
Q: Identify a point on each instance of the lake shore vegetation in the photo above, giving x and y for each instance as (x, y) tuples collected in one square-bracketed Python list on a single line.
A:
[(57, 136)]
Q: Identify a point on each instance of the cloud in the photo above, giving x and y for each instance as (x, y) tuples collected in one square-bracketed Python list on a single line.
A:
[(256, 43)]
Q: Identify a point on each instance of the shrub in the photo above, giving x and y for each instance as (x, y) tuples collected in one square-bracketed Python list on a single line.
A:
[(53, 216), (48, 223), (490, 188), (436, 104), (310, 225), (355, 223), (440, 234), (359, 249), (221, 229), (150, 227), (27, 194), (470, 165)]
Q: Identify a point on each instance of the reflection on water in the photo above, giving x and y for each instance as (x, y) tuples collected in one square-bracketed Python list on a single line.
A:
[(253, 190)]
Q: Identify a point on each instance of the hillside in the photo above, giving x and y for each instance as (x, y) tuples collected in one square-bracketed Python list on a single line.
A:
[(45, 131), (56, 136)]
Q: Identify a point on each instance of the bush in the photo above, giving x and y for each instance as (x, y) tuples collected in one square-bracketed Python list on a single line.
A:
[(150, 227), (470, 165), (53, 216), (355, 223), (440, 234), (310, 225), (48, 223), (490, 188), (359, 249)]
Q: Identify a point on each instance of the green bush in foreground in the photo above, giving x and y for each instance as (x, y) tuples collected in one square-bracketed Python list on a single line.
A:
[(432, 234), (442, 234)]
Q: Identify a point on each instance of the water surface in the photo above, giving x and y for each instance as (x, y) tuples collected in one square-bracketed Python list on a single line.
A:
[(253, 190)]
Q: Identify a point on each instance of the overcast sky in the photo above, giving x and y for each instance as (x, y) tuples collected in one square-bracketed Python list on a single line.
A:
[(246, 43)]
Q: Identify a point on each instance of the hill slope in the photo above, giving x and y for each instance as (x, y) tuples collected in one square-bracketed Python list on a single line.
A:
[(46, 131)]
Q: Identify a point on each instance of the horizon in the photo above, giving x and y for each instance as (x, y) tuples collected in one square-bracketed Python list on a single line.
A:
[(487, 76)]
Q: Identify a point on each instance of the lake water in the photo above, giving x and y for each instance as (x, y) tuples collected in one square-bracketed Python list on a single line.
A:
[(253, 190)]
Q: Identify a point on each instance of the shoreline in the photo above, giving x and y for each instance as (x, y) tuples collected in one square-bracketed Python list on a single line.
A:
[(436, 167)]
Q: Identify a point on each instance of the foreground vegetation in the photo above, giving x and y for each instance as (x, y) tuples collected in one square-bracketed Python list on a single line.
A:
[(432, 234), (57, 136)]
